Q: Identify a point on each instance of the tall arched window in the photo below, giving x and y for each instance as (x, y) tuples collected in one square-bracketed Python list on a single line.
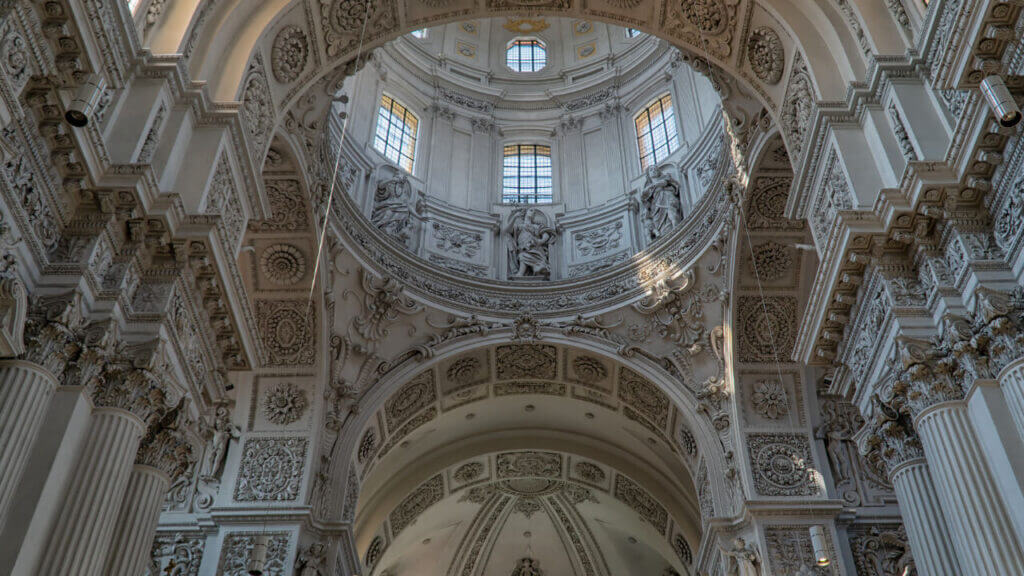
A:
[(656, 133), (526, 174), (396, 133), (526, 55)]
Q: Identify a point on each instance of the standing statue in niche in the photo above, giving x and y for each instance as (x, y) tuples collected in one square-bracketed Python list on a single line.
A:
[(393, 208), (529, 239), (740, 558), (662, 209), (221, 434)]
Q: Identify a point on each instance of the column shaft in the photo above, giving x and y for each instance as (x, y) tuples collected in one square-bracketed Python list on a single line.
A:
[(926, 526), (1011, 380), (137, 521), (983, 535), (25, 392), (85, 527)]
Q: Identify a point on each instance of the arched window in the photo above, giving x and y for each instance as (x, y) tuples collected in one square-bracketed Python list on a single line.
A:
[(526, 55), (656, 133), (396, 133), (632, 33), (421, 33), (526, 174)]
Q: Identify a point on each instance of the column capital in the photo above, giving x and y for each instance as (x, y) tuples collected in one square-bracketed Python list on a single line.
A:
[(167, 450), (53, 331), (121, 385), (889, 438), (926, 373)]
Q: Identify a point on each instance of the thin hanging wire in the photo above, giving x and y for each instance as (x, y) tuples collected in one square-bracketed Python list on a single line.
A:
[(337, 164), (750, 245)]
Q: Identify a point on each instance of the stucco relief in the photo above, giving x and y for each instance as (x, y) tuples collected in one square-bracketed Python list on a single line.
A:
[(289, 331), (782, 465), (271, 470)]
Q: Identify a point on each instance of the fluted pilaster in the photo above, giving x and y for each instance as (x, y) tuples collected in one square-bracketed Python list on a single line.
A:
[(979, 522), (1011, 380), (163, 455), (922, 514), (137, 521), (25, 392), (83, 532)]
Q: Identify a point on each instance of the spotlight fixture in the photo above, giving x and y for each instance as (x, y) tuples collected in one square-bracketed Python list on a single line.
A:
[(818, 544), (1000, 101), (85, 100)]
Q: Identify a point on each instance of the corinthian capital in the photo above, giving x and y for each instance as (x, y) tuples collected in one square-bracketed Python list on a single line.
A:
[(166, 450), (890, 438), (123, 386), (927, 374), (53, 331)]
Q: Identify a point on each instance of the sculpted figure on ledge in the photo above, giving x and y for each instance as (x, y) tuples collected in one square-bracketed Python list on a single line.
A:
[(662, 209), (529, 241)]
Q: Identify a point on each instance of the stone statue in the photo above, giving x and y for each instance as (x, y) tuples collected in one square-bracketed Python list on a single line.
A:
[(393, 208), (310, 562), (221, 434), (660, 199), (529, 240), (740, 558)]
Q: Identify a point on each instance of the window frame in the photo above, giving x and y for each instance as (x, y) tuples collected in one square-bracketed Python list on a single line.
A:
[(528, 195), (655, 157), (419, 34), (534, 41), (399, 148)]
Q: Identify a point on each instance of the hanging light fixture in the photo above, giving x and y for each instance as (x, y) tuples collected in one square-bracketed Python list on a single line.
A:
[(258, 555), (818, 544)]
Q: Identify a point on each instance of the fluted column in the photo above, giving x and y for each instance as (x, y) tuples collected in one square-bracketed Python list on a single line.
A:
[(983, 533), (162, 456), (890, 441), (25, 392), (926, 526), (124, 400), (1011, 380)]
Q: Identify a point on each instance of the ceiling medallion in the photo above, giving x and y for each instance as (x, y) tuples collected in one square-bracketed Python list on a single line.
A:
[(526, 25)]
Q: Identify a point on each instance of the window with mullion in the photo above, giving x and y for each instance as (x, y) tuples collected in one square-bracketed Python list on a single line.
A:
[(656, 132), (526, 174), (526, 55), (395, 136)]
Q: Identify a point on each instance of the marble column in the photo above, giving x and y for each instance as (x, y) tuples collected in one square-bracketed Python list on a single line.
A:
[(983, 534), (123, 401), (889, 440), (137, 521), (25, 392), (163, 456), (922, 515), (1011, 380)]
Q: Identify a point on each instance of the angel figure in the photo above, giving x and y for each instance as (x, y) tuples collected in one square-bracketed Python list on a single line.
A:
[(221, 434), (529, 240), (740, 558), (662, 209)]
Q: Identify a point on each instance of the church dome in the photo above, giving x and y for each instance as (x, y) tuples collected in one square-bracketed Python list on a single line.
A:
[(525, 152)]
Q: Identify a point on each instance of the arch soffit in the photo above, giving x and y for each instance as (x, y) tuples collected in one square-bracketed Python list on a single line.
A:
[(708, 441), (679, 502), (226, 42)]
